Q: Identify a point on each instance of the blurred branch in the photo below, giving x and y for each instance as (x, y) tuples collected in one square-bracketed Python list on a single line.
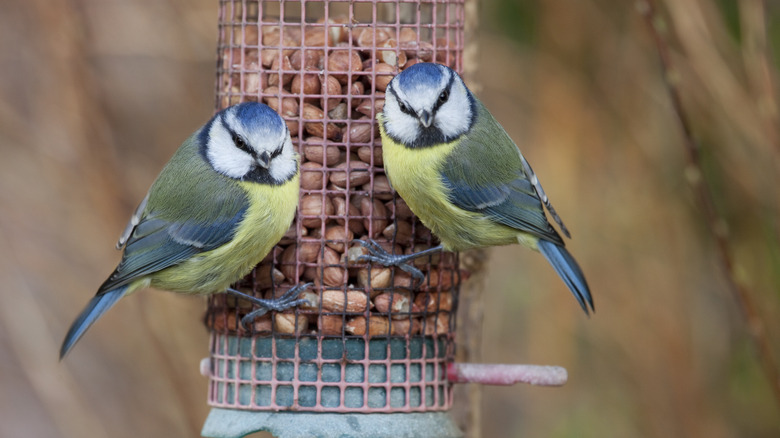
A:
[(716, 224), (757, 64)]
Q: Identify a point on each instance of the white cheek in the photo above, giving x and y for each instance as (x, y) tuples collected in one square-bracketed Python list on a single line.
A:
[(224, 156), (454, 117), (286, 164), (450, 122), (283, 168), (401, 125), (404, 127)]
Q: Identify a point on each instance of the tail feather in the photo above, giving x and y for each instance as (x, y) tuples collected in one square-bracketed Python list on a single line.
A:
[(96, 307), (568, 269)]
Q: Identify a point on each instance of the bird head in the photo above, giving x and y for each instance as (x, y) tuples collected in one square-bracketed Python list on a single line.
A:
[(427, 104), (250, 141)]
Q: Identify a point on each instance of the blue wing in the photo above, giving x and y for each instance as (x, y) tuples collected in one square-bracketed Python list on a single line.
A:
[(513, 203), (496, 181), (486, 173), (156, 244)]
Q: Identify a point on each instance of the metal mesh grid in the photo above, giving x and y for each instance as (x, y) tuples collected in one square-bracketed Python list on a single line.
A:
[(372, 341)]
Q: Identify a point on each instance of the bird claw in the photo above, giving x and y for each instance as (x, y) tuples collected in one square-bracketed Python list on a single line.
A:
[(287, 301), (377, 254)]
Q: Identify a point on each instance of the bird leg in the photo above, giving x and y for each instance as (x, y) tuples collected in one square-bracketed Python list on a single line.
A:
[(286, 301), (378, 254)]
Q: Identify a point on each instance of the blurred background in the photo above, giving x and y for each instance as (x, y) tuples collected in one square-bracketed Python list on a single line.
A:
[(96, 95)]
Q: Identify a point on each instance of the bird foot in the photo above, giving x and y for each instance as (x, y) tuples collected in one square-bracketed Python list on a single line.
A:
[(282, 303), (377, 254)]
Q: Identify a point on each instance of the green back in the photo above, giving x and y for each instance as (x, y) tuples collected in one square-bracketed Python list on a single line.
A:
[(485, 174), (191, 209)]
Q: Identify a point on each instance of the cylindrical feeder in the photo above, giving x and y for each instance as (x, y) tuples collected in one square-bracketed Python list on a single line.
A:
[(373, 341)]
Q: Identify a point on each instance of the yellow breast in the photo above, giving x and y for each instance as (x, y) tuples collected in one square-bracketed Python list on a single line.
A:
[(415, 173), (270, 213)]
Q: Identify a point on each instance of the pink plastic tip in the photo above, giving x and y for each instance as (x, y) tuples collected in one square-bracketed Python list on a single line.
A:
[(503, 374)]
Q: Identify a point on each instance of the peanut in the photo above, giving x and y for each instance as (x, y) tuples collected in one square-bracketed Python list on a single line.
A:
[(400, 230), (315, 205), (330, 86), (380, 278), (366, 152), (437, 324), (267, 276), (314, 152), (360, 132), (290, 323), (354, 301), (384, 73), (330, 325), (311, 176), (378, 214), (342, 208), (375, 326), (336, 237), (358, 174), (316, 126), (395, 302), (307, 59), (331, 272), (273, 78), (433, 302), (406, 326), (342, 62), (382, 188)]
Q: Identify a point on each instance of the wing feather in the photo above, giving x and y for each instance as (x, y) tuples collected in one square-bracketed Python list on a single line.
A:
[(157, 244), (189, 209), (132, 223), (504, 203), (495, 180)]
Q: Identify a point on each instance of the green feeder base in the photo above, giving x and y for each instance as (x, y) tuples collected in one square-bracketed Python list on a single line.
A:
[(232, 423)]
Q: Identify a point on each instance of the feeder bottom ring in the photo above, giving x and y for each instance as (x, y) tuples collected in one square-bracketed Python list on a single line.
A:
[(231, 423)]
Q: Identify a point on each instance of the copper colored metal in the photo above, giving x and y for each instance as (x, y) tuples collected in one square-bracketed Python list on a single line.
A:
[(323, 66)]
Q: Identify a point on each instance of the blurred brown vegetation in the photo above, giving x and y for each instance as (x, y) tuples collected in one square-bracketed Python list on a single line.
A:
[(95, 96)]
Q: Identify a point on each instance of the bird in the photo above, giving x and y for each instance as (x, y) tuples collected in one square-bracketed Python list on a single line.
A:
[(463, 176), (226, 197)]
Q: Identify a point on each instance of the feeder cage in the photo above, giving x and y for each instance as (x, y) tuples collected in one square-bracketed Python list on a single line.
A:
[(372, 340)]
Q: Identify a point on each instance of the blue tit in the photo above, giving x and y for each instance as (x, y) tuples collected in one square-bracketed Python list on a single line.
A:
[(463, 176), (226, 197)]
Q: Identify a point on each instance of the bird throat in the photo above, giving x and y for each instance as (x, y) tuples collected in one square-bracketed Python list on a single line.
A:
[(427, 137)]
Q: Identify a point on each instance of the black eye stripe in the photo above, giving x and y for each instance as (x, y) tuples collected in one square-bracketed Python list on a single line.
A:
[(445, 94), (277, 152), (403, 107), (443, 97), (241, 143)]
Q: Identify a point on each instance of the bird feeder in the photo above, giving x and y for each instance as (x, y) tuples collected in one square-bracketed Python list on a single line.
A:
[(372, 340)]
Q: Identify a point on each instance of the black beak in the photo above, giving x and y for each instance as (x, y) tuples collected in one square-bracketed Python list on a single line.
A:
[(264, 160), (426, 118)]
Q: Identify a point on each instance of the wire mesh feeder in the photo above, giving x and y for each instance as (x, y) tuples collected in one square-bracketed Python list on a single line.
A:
[(371, 341)]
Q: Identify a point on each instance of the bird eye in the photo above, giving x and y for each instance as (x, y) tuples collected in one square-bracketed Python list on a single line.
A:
[(240, 143), (402, 106), (443, 97)]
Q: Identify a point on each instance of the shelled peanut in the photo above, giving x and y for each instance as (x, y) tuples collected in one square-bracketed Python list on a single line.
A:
[(328, 82)]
